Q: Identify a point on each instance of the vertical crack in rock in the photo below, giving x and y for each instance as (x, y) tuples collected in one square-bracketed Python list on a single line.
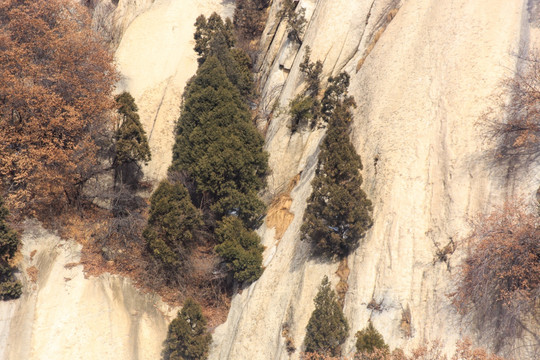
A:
[(379, 28), (162, 99)]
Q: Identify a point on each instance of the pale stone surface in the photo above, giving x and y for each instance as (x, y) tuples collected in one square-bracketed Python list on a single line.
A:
[(420, 92), (66, 316), (156, 58)]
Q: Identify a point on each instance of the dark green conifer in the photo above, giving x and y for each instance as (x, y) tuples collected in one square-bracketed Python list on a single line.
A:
[(240, 248), (187, 338), (172, 224), (302, 111), (10, 288), (214, 37), (369, 339), (312, 71), (305, 107), (327, 327), (207, 29), (336, 95), (296, 20), (338, 213), (218, 148), (239, 72), (131, 142)]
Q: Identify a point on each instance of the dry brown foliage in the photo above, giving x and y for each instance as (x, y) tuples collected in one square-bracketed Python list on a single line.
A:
[(32, 273), (499, 282), (250, 18), (431, 351), (56, 80), (342, 286), (132, 260), (249, 22), (289, 341), (465, 351), (279, 215), (513, 123)]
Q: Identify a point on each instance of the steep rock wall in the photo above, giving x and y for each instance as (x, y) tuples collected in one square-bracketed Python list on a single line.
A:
[(422, 73), (64, 315), (155, 57)]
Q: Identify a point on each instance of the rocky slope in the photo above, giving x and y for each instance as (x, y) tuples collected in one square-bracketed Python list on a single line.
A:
[(422, 73), (63, 315)]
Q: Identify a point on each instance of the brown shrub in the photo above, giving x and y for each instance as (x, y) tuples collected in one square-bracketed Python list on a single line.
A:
[(512, 124), (32, 272), (465, 351), (56, 81), (430, 351), (499, 281), (249, 18)]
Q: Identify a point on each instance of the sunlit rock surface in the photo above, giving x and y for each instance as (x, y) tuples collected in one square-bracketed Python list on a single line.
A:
[(422, 73), (63, 315)]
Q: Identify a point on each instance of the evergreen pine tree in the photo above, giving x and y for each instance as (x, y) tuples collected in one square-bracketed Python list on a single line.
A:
[(214, 37), (336, 95), (207, 29), (301, 109), (338, 213), (187, 338), (296, 20), (218, 148), (312, 71), (327, 327), (130, 141), (172, 222), (305, 107), (240, 248), (369, 339), (9, 242)]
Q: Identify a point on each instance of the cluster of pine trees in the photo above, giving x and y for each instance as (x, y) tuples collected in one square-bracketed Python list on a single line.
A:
[(328, 329), (338, 213), (218, 165)]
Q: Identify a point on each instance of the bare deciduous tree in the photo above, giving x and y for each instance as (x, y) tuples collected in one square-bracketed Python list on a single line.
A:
[(514, 123), (499, 283)]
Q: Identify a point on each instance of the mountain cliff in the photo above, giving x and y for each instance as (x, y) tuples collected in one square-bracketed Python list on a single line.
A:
[(422, 73)]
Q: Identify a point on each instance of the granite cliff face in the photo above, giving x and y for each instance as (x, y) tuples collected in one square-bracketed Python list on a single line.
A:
[(63, 315), (422, 73)]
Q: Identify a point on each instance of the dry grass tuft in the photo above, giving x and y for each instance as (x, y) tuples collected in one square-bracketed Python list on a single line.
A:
[(32, 273), (279, 216), (342, 287)]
